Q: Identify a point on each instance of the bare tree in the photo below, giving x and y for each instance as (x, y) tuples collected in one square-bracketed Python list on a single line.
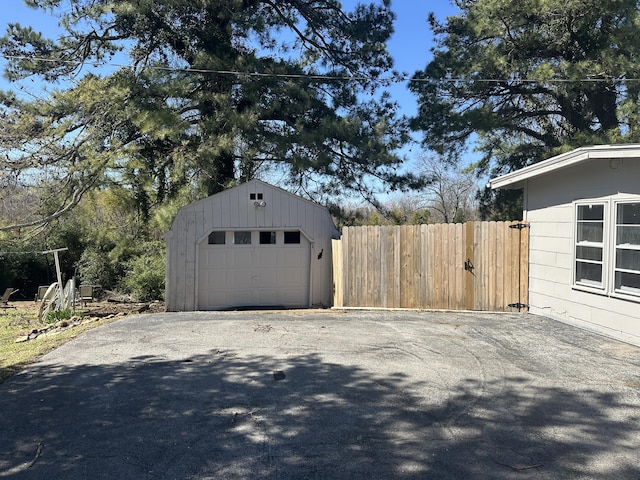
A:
[(451, 191), (449, 196)]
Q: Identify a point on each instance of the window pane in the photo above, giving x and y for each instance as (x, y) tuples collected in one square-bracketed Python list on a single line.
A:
[(628, 235), (217, 238), (590, 232), (589, 273), (628, 214), (589, 253), (589, 258), (628, 259), (627, 244), (267, 238), (590, 212), (242, 238), (291, 237), (628, 282)]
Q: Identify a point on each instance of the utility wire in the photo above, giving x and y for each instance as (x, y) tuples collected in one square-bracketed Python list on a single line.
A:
[(24, 252), (344, 78)]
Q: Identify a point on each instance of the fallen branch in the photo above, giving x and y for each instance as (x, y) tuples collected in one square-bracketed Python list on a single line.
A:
[(518, 469), (35, 459), (24, 466)]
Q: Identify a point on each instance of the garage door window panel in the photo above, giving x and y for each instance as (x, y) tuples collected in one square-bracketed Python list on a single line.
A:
[(267, 238), (291, 238), (217, 238), (242, 238)]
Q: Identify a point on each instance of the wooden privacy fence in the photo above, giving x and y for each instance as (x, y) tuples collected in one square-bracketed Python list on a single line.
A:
[(471, 266)]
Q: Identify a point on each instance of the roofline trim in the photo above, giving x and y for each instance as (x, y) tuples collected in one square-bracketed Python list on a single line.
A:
[(565, 160)]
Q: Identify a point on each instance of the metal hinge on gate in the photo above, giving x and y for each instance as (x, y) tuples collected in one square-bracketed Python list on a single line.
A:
[(518, 305), (519, 226)]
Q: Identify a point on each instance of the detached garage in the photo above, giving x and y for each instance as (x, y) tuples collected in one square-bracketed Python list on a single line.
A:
[(254, 245)]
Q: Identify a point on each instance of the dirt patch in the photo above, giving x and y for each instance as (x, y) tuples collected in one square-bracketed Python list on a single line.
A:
[(106, 309), (93, 313)]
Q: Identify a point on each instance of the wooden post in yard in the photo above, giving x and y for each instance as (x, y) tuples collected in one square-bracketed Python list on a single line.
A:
[(58, 271)]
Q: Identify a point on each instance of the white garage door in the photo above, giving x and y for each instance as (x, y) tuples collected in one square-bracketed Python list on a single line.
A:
[(259, 268)]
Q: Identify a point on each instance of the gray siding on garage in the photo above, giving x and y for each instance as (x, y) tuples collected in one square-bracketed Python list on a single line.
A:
[(233, 210)]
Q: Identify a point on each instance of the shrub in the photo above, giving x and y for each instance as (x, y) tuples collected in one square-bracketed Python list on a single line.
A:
[(145, 273), (96, 268)]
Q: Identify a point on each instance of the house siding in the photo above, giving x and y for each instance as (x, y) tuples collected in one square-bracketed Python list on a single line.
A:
[(549, 201)]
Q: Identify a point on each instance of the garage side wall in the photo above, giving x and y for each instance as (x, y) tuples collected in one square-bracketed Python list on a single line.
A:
[(233, 209), (180, 281), (550, 210)]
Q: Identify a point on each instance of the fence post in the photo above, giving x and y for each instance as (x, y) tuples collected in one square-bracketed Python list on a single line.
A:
[(524, 267), (469, 287), (338, 284)]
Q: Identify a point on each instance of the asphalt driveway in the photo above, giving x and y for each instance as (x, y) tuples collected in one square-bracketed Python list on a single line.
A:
[(326, 395)]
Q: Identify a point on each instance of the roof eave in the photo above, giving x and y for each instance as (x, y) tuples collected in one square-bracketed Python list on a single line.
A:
[(517, 178)]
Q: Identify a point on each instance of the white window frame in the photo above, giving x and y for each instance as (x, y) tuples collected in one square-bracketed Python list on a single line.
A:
[(609, 249), (622, 292), (604, 246)]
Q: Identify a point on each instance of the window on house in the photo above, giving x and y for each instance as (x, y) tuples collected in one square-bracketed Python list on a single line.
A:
[(217, 238), (267, 238), (255, 196), (242, 238), (589, 248), (627, 250), (291, 237)]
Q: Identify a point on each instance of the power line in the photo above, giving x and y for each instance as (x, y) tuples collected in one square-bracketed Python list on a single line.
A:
[(24, 252), (306, 76), (344, 78)]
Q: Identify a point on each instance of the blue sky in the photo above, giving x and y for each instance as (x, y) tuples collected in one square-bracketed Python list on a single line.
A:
[(412, 40), (410, 44)]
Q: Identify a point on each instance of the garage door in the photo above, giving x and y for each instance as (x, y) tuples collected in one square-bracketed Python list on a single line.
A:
[(257, 268)]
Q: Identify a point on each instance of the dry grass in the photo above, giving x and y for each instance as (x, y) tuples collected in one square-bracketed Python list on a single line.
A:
[(19, 322)]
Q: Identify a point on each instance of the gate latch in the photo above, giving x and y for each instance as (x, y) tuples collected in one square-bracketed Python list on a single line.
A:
[(468, 266), (519, 226), (518, 305)]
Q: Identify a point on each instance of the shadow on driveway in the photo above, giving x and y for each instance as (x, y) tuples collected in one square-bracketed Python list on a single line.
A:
[(236, 414)]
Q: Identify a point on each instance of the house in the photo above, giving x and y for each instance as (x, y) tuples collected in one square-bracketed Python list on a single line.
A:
[(254, 245), (583, 208)]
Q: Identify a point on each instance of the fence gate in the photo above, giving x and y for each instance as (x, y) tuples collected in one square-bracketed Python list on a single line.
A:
[(471, 266)]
